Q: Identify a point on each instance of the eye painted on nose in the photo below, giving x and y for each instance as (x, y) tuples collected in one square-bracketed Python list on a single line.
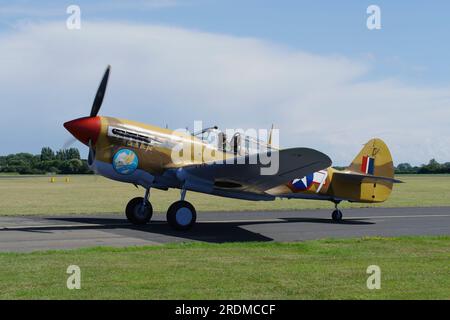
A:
[(85, 129)]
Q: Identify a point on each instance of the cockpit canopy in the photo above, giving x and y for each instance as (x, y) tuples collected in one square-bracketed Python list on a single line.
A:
[(238, 144)]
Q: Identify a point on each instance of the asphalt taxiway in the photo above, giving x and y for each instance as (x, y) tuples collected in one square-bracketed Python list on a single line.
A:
[(74, 231)]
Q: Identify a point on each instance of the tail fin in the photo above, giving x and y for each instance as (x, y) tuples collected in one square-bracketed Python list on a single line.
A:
[(374, 159), (370, 176)]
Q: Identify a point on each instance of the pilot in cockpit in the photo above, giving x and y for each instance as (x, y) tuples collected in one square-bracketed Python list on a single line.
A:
[(222, 141)]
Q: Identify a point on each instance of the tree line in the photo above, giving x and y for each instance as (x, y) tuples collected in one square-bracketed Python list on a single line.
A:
[(432, 167), (64, 161)]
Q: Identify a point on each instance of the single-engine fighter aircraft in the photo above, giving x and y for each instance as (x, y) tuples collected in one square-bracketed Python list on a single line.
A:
[(141, 154)]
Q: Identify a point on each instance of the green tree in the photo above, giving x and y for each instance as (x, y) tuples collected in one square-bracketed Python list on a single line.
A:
[(404, 168), (47, 154), (432, 167), (446, 167), (73, 153), (68, 154), (71, 166), (64, 161)]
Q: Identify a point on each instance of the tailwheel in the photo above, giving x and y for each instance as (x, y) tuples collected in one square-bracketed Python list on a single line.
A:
[(337, 215), (138, 211), (181, 215)]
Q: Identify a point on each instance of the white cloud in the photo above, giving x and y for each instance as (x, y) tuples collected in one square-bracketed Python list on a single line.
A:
[(170, 75)]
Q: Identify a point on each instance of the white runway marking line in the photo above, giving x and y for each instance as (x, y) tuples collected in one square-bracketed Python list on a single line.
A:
[(409, 216), (348, 218), (93, 225)]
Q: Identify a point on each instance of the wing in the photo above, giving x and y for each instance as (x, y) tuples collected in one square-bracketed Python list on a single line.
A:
[(249, 174)]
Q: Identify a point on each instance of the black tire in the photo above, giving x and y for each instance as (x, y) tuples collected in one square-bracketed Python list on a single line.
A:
[(179, 218), (135, 212), (337, 215)]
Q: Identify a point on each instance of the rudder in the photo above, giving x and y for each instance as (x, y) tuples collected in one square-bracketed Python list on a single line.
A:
[(374, 159), (372, 163)]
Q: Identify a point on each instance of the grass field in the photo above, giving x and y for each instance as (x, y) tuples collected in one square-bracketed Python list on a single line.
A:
[(94, 194), (411, 268)]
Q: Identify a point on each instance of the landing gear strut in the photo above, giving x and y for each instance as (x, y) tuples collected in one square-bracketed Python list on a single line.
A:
[(337, 214), (139, 210), (181, 215)]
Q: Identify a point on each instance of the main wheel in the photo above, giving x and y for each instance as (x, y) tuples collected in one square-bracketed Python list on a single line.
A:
[(137, 212), (336, 215), (181, 215)]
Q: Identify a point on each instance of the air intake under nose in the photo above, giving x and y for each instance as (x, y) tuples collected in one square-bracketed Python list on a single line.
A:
[(85, 129)]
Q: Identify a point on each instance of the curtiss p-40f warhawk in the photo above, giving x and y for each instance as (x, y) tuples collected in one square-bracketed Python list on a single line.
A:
[(142, 155)]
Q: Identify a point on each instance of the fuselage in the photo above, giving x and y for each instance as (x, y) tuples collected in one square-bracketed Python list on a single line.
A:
[(154, 156)]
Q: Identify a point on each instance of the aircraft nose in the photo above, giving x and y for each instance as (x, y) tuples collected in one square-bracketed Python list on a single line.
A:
[(84, 129)]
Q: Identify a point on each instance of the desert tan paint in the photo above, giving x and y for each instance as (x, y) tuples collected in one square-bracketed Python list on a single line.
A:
[(339, 186), (156, 159)]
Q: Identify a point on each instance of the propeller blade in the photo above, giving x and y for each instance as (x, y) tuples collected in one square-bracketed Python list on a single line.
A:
[(91, 155), (68, 143), (100, 93)]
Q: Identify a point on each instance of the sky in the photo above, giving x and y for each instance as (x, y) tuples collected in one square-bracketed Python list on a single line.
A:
[(312, 68)]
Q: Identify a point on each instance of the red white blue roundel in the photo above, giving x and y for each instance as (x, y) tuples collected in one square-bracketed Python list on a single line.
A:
[(304, 183)]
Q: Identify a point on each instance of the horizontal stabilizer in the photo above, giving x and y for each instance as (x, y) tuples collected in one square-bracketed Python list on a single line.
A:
[(354, 176)]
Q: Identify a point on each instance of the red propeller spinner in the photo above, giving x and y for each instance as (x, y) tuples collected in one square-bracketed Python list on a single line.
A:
[(85, 129)]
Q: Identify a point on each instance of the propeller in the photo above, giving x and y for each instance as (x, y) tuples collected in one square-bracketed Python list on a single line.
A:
[(86, 129), (68, 143), (100, 93), (91, 155)]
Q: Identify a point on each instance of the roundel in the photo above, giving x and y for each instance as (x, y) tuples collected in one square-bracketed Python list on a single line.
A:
[(125, 161), (303, 183)]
